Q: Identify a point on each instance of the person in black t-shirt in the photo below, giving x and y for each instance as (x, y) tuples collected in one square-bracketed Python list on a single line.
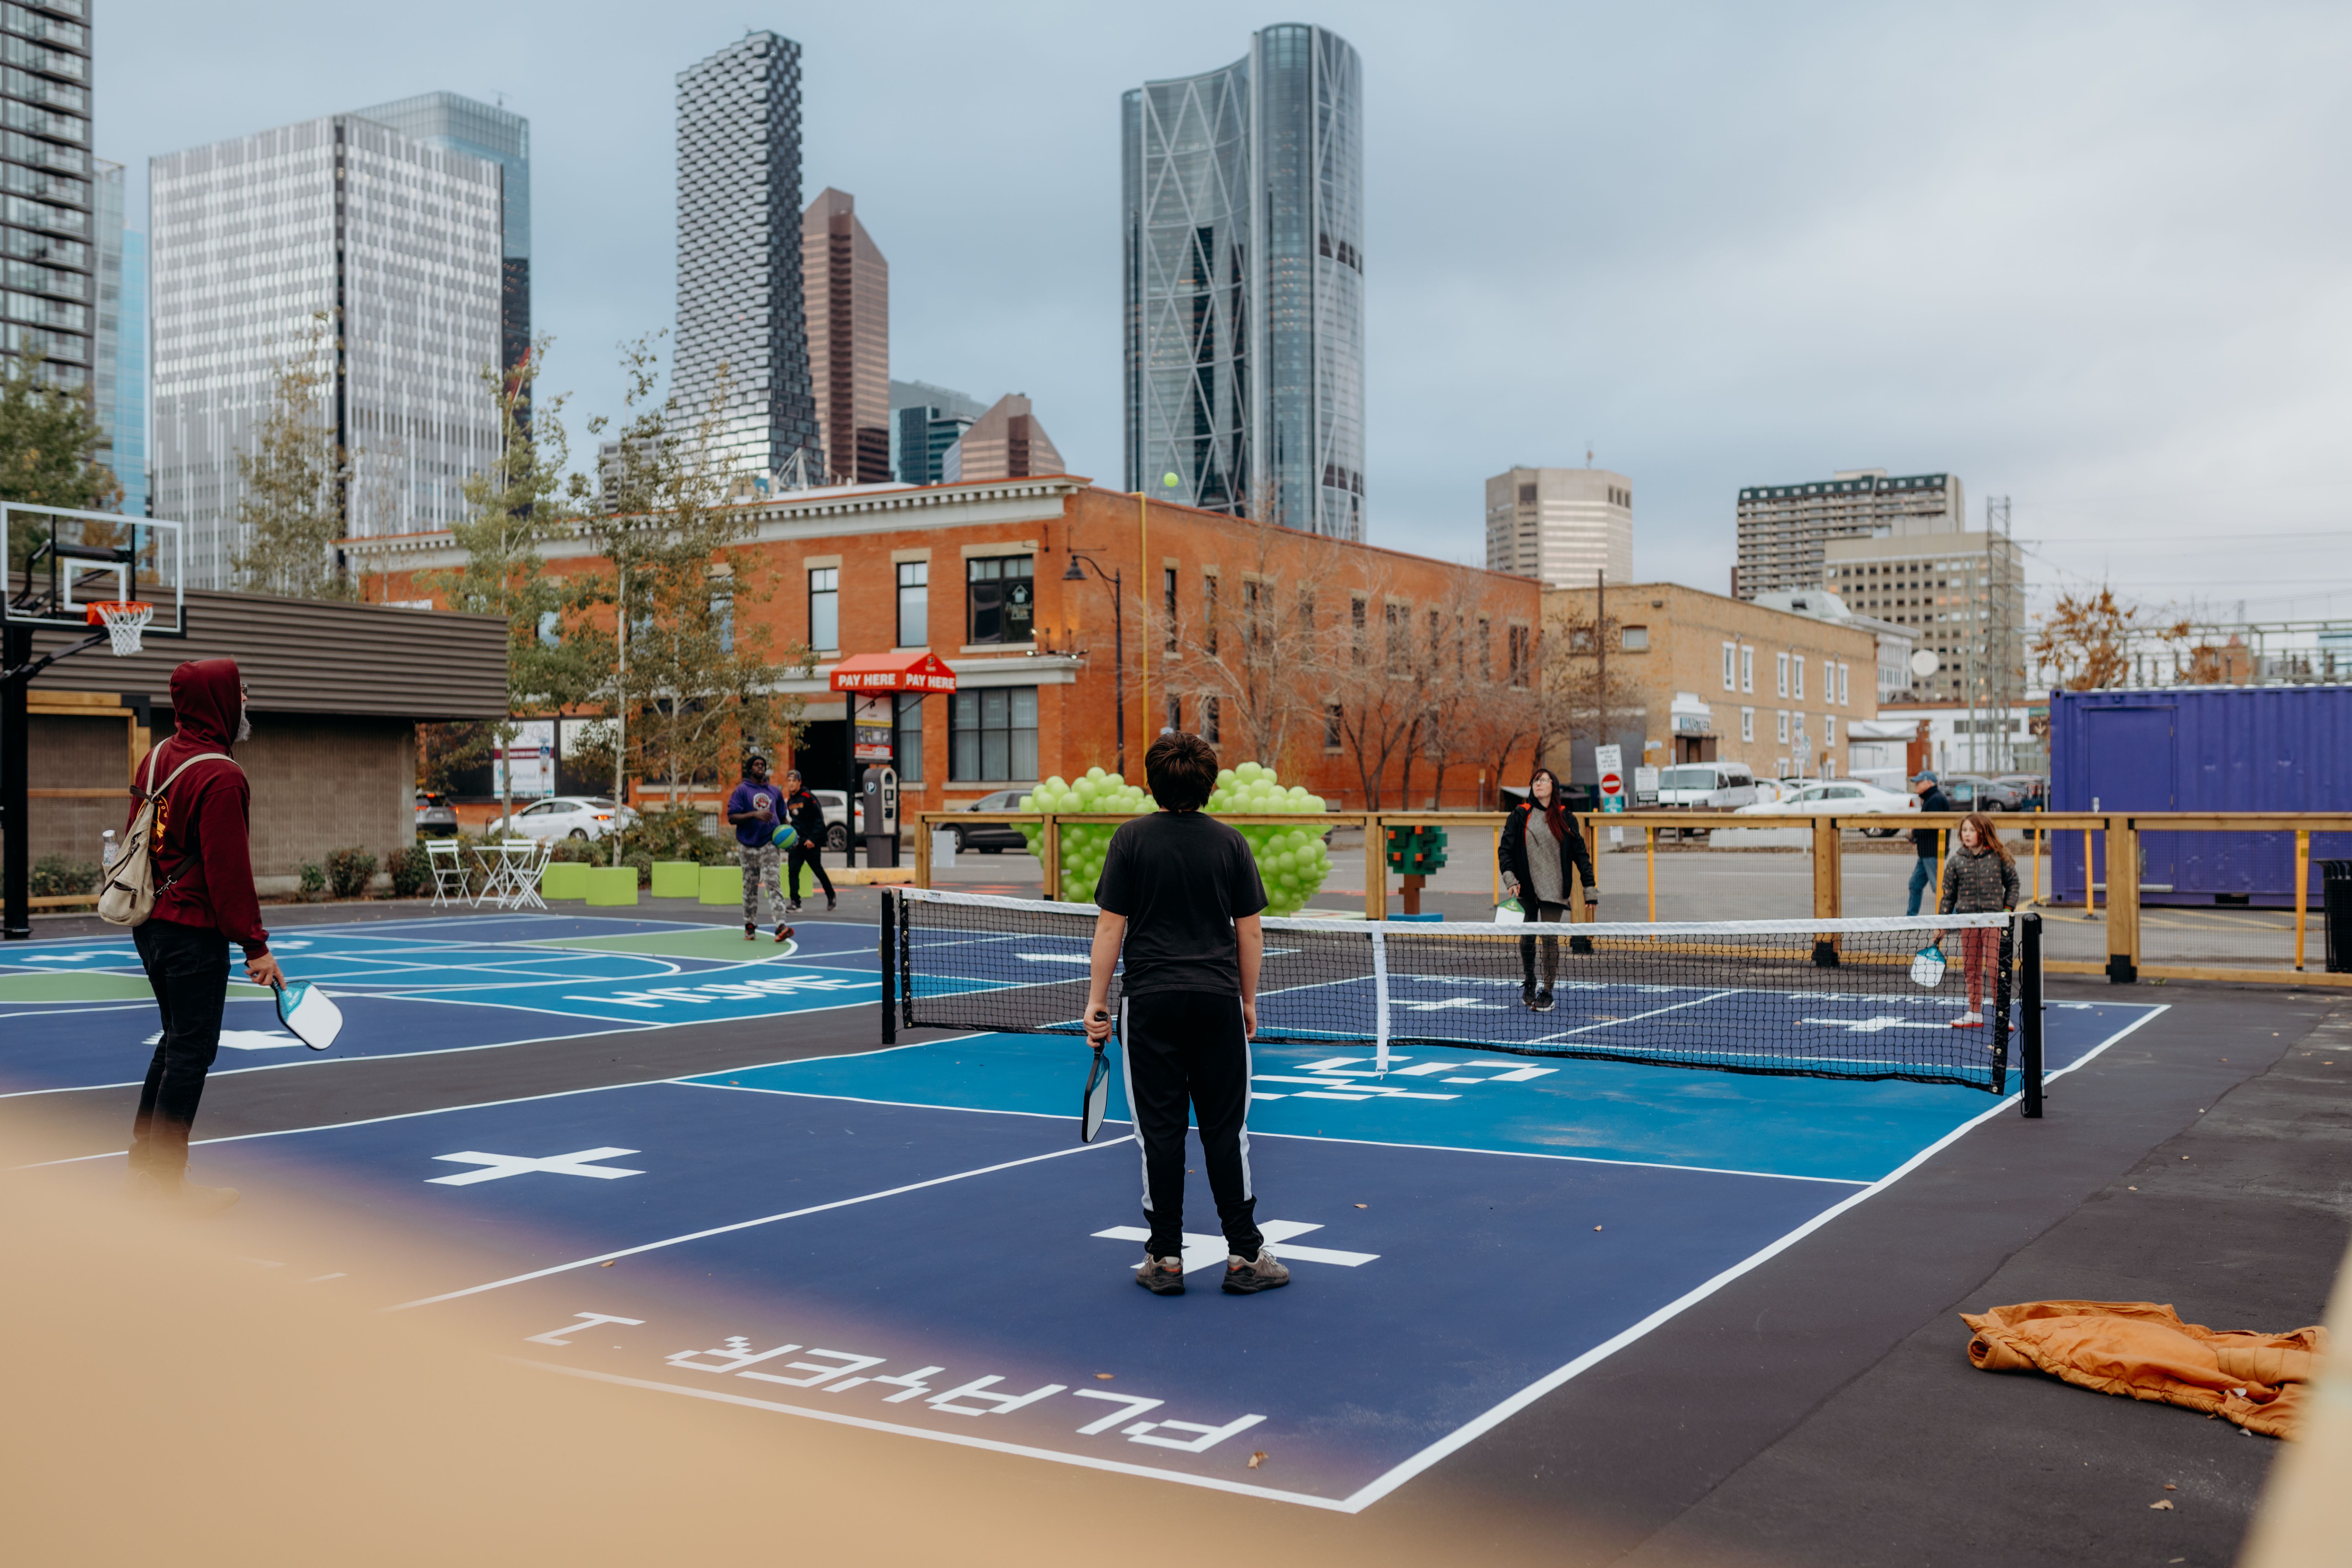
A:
[(1181, 896)]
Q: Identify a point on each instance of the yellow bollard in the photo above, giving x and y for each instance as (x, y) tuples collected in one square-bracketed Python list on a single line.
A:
[(1650, 852), (2301, 881)]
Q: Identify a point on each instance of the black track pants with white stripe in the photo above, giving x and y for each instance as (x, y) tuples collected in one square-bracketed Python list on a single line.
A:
[(1183, 1046)]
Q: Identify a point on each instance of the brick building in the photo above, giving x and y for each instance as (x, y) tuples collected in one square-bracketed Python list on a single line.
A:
[(1698, 676), (1316, 653)]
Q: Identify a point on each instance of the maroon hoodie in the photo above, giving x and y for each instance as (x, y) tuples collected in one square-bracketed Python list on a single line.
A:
[(204, 864)]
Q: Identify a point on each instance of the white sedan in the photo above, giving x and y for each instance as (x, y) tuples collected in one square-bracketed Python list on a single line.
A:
[(565, 816), (1837, 797)]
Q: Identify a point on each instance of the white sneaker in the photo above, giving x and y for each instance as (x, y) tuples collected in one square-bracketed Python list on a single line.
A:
[(1969, 1021)]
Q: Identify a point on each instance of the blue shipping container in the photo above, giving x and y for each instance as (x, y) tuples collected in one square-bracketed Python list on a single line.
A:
[(2227, 748)]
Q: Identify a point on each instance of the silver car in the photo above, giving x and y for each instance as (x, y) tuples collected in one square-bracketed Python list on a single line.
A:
[(564, 816)]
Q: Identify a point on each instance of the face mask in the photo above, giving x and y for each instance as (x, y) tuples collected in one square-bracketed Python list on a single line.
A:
[(244, 723)]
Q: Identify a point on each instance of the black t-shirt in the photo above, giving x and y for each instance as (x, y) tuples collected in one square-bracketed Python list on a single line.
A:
[(1182, 878)]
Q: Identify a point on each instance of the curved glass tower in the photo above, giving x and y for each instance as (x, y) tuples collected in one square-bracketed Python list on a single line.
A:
[(1244, 265)]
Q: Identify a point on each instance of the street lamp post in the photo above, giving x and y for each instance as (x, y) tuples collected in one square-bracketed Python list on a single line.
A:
[(1118, 643)]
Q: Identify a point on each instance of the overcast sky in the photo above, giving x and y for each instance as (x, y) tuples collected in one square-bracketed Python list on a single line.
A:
[(2091, 257)]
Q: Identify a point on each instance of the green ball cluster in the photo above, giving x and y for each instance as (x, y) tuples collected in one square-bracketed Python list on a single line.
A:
[(1291, 861), (1084, 844)]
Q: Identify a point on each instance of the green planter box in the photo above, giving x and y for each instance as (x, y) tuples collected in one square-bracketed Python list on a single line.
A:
[(677, 879), (564, 880), (611, 884), (722, 884)]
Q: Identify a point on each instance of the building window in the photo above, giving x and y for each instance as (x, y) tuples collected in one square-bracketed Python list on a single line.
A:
[(1400, 633), (992, 734), (1486, 649), (1782, 661), (1209, 719), (1356, 626), (1176, 715), (825, 607), (1731, 667), (1003, 599), (908, 741), (1747, 724), (1168, 594), (722, 614), (1634, 639), (1747, 669), (1843, 701), (1209, 613), (1333, 727), (1521, 654), (1783, 735), (1829, 729), (915, 604), (1799, 663)]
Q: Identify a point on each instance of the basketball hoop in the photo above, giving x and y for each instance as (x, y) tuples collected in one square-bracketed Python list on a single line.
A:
[(124, 620)]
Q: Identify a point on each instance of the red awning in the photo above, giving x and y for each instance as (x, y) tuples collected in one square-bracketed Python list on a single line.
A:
[(917, 672)]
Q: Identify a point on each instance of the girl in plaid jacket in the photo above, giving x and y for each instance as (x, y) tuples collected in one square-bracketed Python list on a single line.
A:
[(1980, 878)]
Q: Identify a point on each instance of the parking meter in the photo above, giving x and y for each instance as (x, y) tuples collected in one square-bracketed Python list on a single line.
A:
[(879, 808)]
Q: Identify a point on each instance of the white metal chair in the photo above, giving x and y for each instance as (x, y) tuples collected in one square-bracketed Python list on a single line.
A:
[(511, 871), (448, 872)]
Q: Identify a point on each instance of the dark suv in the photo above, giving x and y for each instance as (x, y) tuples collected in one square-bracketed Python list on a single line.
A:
[(434, 814), (992, 837)]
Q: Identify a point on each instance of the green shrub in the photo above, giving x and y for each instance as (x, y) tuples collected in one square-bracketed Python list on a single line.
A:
[(643, 862), (579, 851), (348, 872), (314, 879), (412, 869), (675, 834), (55, 877)]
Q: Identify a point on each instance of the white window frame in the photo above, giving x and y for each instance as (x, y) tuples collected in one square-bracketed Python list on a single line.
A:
[(1796, 663), (1783, 730), (1747, 724), (1829, 729), (1845, 700), (1781, 662), (1747, 669), (1731, 667)]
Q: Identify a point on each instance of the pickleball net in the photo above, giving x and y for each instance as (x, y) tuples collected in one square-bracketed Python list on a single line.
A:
[(1810, 998)]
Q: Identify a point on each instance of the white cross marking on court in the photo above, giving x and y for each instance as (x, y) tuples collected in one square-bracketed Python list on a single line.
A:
[(1199, 1251), (1870, 1025), (500, 1166)]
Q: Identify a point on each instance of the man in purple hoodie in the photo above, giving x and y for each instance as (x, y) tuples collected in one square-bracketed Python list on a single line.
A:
[(204, 900)]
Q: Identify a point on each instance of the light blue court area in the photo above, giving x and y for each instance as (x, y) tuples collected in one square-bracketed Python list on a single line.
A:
[(914, 1240), (79, 1014)]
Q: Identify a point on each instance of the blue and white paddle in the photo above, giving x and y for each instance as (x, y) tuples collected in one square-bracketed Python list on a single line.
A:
[(309, 1014)]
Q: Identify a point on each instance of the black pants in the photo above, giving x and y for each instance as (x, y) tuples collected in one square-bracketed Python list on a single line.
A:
[(811, 855), (1547, 914), (188, 967), (1180, 1046)]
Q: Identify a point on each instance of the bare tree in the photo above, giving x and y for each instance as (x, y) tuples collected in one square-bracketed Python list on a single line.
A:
[(296, 477), (2085, 641), (1583, 692)]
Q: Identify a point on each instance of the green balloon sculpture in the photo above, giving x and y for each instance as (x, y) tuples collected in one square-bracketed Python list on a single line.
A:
[(1291, 861)]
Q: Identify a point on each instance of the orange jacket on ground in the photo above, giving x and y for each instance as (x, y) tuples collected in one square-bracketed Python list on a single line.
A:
[(2146, 1350)]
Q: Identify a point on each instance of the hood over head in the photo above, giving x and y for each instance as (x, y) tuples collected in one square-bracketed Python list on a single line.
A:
[(206, 703)]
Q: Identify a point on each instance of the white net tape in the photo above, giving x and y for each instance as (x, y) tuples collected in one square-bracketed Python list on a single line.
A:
[(124, 622)]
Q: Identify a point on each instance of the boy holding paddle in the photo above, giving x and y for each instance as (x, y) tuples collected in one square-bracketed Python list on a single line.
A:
[(1181, 895)]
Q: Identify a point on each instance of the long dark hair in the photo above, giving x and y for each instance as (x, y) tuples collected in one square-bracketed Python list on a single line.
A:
[(1556, 814)]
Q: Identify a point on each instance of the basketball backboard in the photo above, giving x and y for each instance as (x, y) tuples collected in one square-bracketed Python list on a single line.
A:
[(61, 562)]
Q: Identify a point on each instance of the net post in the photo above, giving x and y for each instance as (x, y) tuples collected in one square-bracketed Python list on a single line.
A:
[(16, 856), (922, 849), (1380, 999), (2029, 1008), (1828, 889), (2122, 900), (889, 956), (1049, 856), (1376, 869)]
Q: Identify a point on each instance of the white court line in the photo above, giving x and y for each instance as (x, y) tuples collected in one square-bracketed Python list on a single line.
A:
[(1636, 1017), (750, 1224)]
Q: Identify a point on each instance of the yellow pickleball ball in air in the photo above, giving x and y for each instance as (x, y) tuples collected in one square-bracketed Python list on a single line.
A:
[(1170, 480)]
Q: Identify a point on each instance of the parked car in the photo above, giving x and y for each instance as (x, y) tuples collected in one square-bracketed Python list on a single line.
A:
[(834, 805), (1974, 792), (434, 814), (564, 816), (2033, 787), (1706, 786), (992, 837), (1837, 797)]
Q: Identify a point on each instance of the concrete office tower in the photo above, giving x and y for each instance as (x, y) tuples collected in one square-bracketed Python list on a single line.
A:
[(848, 288), (1006, 443), (119, 362), (1782, 528), (1244, 223), (925, 421), (742, 334), (1959, 592), (252, 240), (460, 124), (46, 221), (1562, 526)]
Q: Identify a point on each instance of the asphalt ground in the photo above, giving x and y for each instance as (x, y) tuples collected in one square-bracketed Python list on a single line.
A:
[(1817, 1409)]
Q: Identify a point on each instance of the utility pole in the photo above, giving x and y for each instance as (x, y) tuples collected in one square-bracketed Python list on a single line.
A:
[(1599, 654)]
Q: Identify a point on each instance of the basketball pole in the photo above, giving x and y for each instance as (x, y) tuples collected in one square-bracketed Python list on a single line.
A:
[(17, 668)]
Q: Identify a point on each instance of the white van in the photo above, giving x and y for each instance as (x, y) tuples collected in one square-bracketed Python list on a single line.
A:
[(1706, 786)]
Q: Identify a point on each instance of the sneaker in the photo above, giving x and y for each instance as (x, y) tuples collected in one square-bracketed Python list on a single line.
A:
[(829, 902), (1161, 1276), (1527, 995), (783, 934), (1542, 1004), (751, 934), (1246, 1275), (793, 908), (1969, 1021)]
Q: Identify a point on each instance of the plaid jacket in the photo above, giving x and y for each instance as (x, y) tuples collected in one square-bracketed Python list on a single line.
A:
[(1977, 882)]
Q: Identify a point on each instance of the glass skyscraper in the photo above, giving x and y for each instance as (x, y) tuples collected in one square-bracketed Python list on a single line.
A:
[(1245, 262), (486, 130), (119, 362), (741, 325), (46, 214), (398, 245)]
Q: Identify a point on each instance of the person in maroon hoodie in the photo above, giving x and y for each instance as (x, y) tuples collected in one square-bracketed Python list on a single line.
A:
[(204, 901)]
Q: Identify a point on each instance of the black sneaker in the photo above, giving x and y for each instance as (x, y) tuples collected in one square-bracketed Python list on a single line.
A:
[(829, 901), (750, 931), (1542, 1004), (1163, 1276), (793, 908), (783, 934), (1528, 994), (1246, 1275)]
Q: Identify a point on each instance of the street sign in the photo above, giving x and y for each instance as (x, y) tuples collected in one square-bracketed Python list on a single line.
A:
[(1609, 763), (1645, 787)]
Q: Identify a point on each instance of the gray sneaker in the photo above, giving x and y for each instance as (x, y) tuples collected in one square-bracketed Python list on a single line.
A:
[(1161, 1276), (1263, 1272)]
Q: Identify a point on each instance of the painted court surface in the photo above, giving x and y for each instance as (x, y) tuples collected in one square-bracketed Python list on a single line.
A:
[(914, 1239)]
